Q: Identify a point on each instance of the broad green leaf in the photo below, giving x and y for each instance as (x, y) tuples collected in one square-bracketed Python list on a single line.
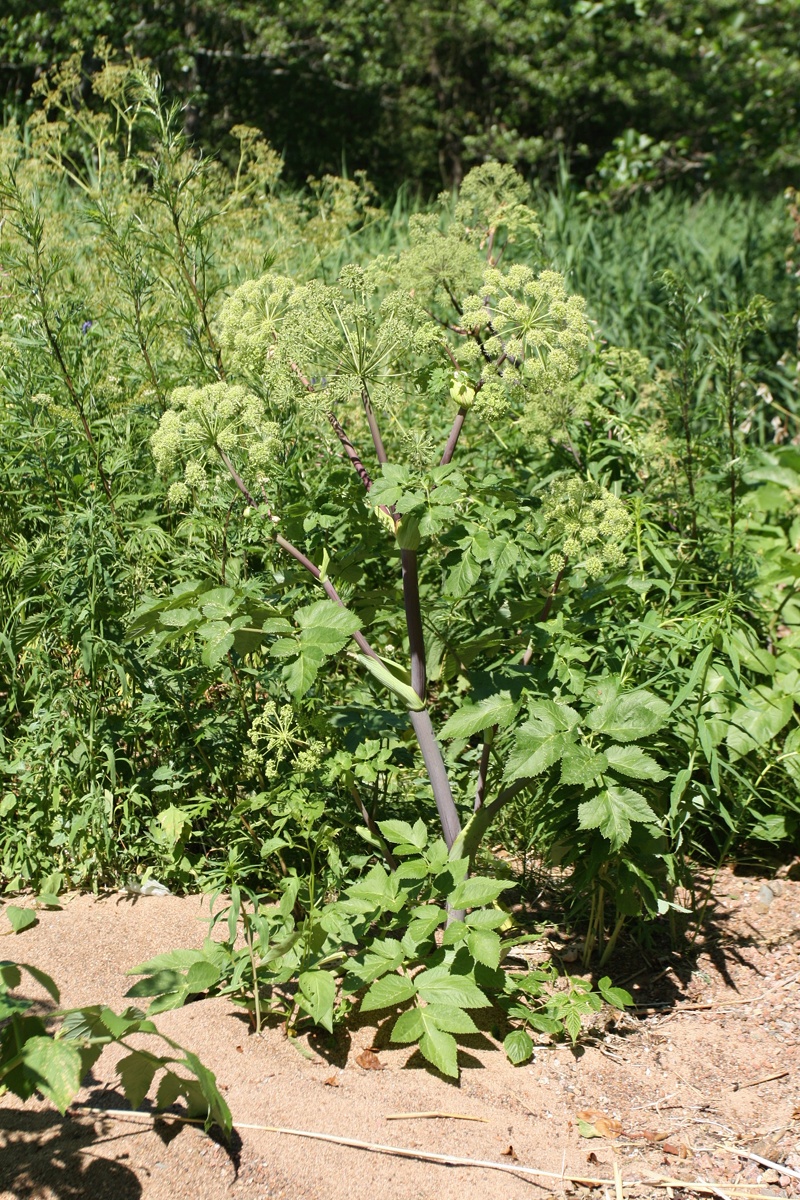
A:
[(158, 983), (201, 976), (612, 810), (631, 760), (174, 823), (630, 716), (535, 752), (218, 640), (388, 992), (472, 893), (327, 614), (450, 1018), (408, 1027), (136, 1072), (397, 831), (487, 918), (171, 960), (542, 740), (20, 918), (518, 1046), (376, 888), (572, 1023), (580, 765), (497, 710), (318, 990), (438, 986), (11, 977), (790, 755), (616, 996), (757, 722), (484, 946), (57, 1068), (463, 577), (439, 1047), (301, 673)]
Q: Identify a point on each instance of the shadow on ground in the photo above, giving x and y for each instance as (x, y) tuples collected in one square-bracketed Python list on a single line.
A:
[(44, 1154)]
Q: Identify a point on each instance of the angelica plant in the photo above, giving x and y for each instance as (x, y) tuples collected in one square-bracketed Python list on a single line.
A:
[(368, 358)]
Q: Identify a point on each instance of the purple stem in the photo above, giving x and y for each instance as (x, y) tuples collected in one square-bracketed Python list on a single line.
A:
[(455, 433)]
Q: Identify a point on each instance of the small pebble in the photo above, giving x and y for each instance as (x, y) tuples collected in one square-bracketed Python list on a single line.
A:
[(765, 895)]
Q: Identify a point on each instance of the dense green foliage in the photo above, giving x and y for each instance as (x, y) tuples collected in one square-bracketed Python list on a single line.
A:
[(422, 91), (319, 520)]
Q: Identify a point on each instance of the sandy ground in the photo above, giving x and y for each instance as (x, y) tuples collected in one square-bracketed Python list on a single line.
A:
[(684, 1079)]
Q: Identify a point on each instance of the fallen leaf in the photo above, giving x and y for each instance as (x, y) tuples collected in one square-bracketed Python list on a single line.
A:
[(592, 1123), (332, 1081), (509, 1152), (239, 1050), (669, 1148), (649, 1136), (592, 1158), (369, 1060)]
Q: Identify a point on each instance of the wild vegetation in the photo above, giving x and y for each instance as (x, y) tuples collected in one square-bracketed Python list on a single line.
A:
[(354, 560)]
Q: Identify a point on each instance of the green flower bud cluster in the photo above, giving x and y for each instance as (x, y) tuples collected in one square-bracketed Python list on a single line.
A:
[(202, 424), (590, 522), (532, 333), (495, 196), (250, 320), (276, 736)]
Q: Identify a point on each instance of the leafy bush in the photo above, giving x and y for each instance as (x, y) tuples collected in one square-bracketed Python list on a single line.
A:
[(395, 939), (554, 547)]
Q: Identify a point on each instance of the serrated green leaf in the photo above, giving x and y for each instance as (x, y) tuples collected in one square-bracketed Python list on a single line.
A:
[(474, 892), (301, 673), (450, 1018), (201, 976), (757, 722), (439, 1047), (484, 945), (542, 740), (327, 614), (136, 1071), (218, 640), (396, 831), (388, 992), (438, 986), (518, 1046), (318, 995), (408, 1027), (497, 710), (580, 765), (629, 716), (632, 761), (612, 810), (56, 1066), (463, 577), (175, 824), (572, 1023), (156, 983), (616, 996)]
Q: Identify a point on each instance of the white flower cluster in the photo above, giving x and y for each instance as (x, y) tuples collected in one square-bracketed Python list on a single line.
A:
[(203, 424), (590, 522)]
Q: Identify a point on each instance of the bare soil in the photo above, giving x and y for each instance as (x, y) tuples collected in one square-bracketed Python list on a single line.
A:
[(707, 1065)]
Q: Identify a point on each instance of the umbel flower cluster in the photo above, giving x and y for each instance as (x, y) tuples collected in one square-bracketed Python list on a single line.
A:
[(206, 426), (448, 320), (589, 522)]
